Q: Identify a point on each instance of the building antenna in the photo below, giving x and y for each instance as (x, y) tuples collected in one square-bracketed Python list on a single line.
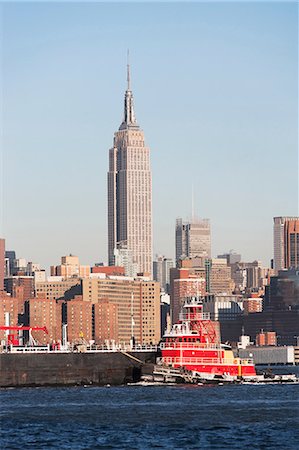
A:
[(128, 71), (192, 204)]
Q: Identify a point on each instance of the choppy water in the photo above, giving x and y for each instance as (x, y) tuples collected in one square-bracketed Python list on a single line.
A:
[(165, 417)]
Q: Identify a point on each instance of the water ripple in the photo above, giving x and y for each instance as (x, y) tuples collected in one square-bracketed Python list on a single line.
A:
[(179, 417)]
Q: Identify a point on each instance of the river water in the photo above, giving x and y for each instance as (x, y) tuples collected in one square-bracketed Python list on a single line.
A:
[(162, 417)]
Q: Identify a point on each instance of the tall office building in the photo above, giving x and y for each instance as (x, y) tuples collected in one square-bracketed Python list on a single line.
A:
[(10, 256), (130, 190), (192, 239), (286, 242), (123, 257), (218, 276), (161, 272)]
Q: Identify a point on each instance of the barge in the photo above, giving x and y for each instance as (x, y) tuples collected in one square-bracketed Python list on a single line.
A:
[(28, 368)]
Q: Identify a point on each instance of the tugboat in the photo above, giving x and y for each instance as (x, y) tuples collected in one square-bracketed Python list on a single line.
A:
[(194, 345)]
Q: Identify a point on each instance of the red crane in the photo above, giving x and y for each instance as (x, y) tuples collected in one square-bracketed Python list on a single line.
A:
[(12, 339)]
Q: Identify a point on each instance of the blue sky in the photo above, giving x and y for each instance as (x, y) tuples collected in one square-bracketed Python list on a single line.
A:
[(216, 93)]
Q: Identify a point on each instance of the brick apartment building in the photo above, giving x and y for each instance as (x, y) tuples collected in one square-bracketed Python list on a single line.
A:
[(137, 301), (58, 289), (45, 313), (12, 285), (105, 322), (12, 305), (78, 315)]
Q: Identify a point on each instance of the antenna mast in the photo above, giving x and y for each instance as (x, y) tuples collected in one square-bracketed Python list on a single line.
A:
[(128, 71), (192, 204)]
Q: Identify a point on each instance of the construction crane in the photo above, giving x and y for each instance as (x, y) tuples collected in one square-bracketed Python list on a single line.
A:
[(13, 340)]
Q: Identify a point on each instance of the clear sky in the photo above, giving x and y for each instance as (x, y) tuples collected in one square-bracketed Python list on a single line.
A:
[(216, 93)]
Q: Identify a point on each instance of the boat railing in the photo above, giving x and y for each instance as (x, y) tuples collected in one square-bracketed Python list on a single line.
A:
[(99, 349), (191, 345), (83, 348), (121, 347), (29, 349), (192, 361), (144, 348), (185, 316)]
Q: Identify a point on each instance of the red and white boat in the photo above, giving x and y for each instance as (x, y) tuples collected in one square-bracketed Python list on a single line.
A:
[(194, 344)]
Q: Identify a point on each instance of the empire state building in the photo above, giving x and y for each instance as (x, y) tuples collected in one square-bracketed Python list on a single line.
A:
[(130, 190)]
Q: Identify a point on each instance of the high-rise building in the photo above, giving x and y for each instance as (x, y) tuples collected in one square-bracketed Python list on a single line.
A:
[(20, 286), (45, 313), (161, 272), (20, 266), (137, 301), (286, 242), (11, 305), (12, 313), (282, 293), (250, 277), (78, 316), (130, 190), (10, 255), (218, 277), (231, 257), (192, 239), (70, 267), (32, 268), (123, 257), (56, 288), (223, 307), (105, 322)]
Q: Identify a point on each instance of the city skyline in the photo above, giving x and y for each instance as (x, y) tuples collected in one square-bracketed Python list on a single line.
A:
[(221, 116)]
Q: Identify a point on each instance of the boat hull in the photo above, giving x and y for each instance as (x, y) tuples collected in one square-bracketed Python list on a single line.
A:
[(207, 360), (69, 369), (238, 370)]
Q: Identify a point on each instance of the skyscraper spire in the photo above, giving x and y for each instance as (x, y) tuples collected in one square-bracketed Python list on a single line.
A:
[(129, 114), (192, 204), (128, 71)]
